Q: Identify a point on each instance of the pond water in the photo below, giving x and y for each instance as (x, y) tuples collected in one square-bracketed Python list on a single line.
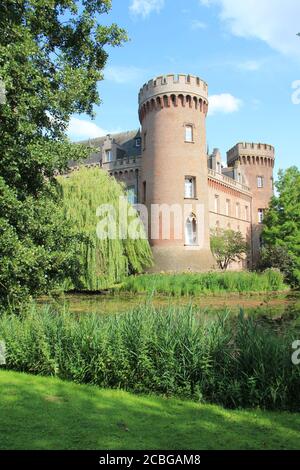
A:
[(283, 307)]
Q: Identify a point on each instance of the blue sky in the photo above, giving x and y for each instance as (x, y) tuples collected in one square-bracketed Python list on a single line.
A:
[(247, 51)]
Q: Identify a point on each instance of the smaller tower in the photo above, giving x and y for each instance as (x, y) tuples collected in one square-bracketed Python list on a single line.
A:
[(256, 164)]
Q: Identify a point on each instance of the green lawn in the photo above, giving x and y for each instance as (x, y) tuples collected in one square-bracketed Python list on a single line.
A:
[(46, 413)]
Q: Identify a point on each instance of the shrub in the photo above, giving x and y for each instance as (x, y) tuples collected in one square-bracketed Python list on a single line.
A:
[(232, 362)]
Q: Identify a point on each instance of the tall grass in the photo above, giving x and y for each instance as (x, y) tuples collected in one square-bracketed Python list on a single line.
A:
[(232, 362), (214, 283), (106, 261)]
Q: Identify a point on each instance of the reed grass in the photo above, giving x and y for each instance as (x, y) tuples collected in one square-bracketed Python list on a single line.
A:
[(188, 284), (234, 362)]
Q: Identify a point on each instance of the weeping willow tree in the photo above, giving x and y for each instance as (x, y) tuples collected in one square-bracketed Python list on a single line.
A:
[(105, 259)]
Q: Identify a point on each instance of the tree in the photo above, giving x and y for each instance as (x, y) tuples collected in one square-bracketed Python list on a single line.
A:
[(105, 260), (227, 246), (52, 54), (281, 230), (276, 257)]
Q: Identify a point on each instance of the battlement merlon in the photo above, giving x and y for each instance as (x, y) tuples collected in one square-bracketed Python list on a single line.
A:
[(172, 83), (247, 149)]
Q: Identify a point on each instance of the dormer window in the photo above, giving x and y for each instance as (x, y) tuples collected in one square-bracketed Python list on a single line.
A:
[(108, 156), (138, 142)]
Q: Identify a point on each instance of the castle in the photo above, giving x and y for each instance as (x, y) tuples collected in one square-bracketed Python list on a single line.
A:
[(166, 163)]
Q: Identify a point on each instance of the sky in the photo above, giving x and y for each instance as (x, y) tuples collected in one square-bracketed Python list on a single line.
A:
[(247, 51)]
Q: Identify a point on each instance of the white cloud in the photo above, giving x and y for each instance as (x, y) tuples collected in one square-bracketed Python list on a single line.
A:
[(80, 129), (145, 7), (196, 24), (250, 65), (122, 74), (224, 103), (275, 22)]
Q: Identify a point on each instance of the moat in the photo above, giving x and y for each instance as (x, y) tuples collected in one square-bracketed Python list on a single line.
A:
[(274, 307)]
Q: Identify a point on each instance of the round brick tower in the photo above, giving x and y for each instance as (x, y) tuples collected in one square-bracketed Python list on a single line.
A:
[(256, 162), (174, 179)]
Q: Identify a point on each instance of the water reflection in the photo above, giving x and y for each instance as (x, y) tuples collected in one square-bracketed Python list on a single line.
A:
[(272, 308)]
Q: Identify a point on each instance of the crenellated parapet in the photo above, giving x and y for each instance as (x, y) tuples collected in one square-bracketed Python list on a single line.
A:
[(252, 154), (173, 91)]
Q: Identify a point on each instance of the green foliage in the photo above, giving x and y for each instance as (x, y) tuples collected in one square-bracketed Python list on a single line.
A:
[(227, 247), (37, 247), (277, 257), (107, 261), (206, 283), (234, 362), (281, 232), (70, 416), (52, 54)]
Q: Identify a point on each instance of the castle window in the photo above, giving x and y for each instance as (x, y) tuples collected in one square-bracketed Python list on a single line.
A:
[(238, 210), (189, 133), (260, 182), (246, 213), (108, 156), (138, 142), (190, 187), (131, 195), (228, 207), (261, 214), (144, 192), (191, 231), (217, 204), (145, 141), (218, 167)]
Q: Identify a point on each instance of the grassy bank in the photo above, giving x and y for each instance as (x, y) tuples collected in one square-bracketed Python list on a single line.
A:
[(46, 413), (233, 362), (206, 283)]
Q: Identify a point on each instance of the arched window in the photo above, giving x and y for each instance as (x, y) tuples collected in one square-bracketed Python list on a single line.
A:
[(191, 230)]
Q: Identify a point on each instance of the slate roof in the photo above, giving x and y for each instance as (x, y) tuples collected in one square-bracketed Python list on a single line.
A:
[(126, 140)]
